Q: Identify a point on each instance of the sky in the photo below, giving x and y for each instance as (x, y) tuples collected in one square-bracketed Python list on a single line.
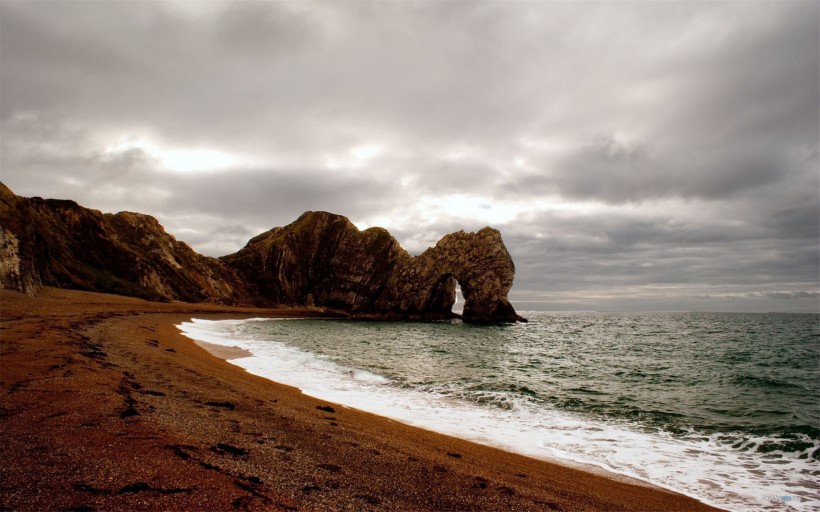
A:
[(634, 155)]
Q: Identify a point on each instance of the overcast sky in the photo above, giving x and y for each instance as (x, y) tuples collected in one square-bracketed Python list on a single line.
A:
[(635, 156)]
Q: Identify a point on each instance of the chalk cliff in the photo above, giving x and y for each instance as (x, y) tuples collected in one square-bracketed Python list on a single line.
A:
[(321, 260)]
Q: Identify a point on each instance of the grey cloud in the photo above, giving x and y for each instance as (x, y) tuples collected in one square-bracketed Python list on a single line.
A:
[(439, 74), (792, 295), (691, 129), (222, 240), (711, 123), (622, 252), (278, 195), (260, 30), (201, 208), (611, 171)]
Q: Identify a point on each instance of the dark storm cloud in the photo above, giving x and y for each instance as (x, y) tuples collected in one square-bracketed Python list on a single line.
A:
[(624, 149)]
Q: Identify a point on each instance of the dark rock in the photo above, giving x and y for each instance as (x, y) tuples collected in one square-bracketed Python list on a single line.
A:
[(128, 412), (372, 500), (181, 451), (319, 260), (253, 479), (84, 487), (144, 487), (242, 502), (333, 468), (323, 259), (210, 467), (479, 262), (223, 405), (480, 483), (59, 243), (229, 449)]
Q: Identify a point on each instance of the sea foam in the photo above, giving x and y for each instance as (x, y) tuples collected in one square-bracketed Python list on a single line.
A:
[(698, 466)]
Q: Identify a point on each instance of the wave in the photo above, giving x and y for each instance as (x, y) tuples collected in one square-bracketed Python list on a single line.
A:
[(729, 469), (762, 382)]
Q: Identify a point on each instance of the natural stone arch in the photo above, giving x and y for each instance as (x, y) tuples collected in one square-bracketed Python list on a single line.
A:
[(443, 294), (484, 270), (320, 259), (368, 275), (478, 262)]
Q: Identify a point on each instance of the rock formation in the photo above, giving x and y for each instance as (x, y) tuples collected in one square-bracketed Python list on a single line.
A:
[(49, 242), (321, 260), (425, 285), (324, 260)]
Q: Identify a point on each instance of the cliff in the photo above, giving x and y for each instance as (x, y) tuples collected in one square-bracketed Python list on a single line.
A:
[(321, 259), (49, 242)]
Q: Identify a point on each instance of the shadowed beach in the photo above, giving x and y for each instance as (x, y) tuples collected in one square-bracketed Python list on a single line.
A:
[(106, 406)]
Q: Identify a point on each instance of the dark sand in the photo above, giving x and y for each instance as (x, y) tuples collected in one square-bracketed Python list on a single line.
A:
[(106, 406)]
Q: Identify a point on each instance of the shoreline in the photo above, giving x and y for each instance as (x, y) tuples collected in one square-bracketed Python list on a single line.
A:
[(229, 353), (107, 405), (223, 352)]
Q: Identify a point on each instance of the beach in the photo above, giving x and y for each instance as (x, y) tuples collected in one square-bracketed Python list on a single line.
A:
[(105, 405)]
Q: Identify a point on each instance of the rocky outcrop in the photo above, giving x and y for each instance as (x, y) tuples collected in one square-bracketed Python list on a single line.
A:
[(17, 270), (321, 260), (425, 285), (49, 242)]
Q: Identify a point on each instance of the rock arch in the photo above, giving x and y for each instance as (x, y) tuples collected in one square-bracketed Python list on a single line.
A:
[(320, 259), (368, 275), (478, 262)]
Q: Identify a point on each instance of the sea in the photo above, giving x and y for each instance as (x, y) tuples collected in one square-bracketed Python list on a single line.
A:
[(723, 407)]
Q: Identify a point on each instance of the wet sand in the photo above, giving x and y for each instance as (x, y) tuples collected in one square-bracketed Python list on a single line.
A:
[(105, 405), (223, 352)]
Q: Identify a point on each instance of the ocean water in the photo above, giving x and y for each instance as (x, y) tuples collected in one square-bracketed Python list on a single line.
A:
[(721, 407)]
